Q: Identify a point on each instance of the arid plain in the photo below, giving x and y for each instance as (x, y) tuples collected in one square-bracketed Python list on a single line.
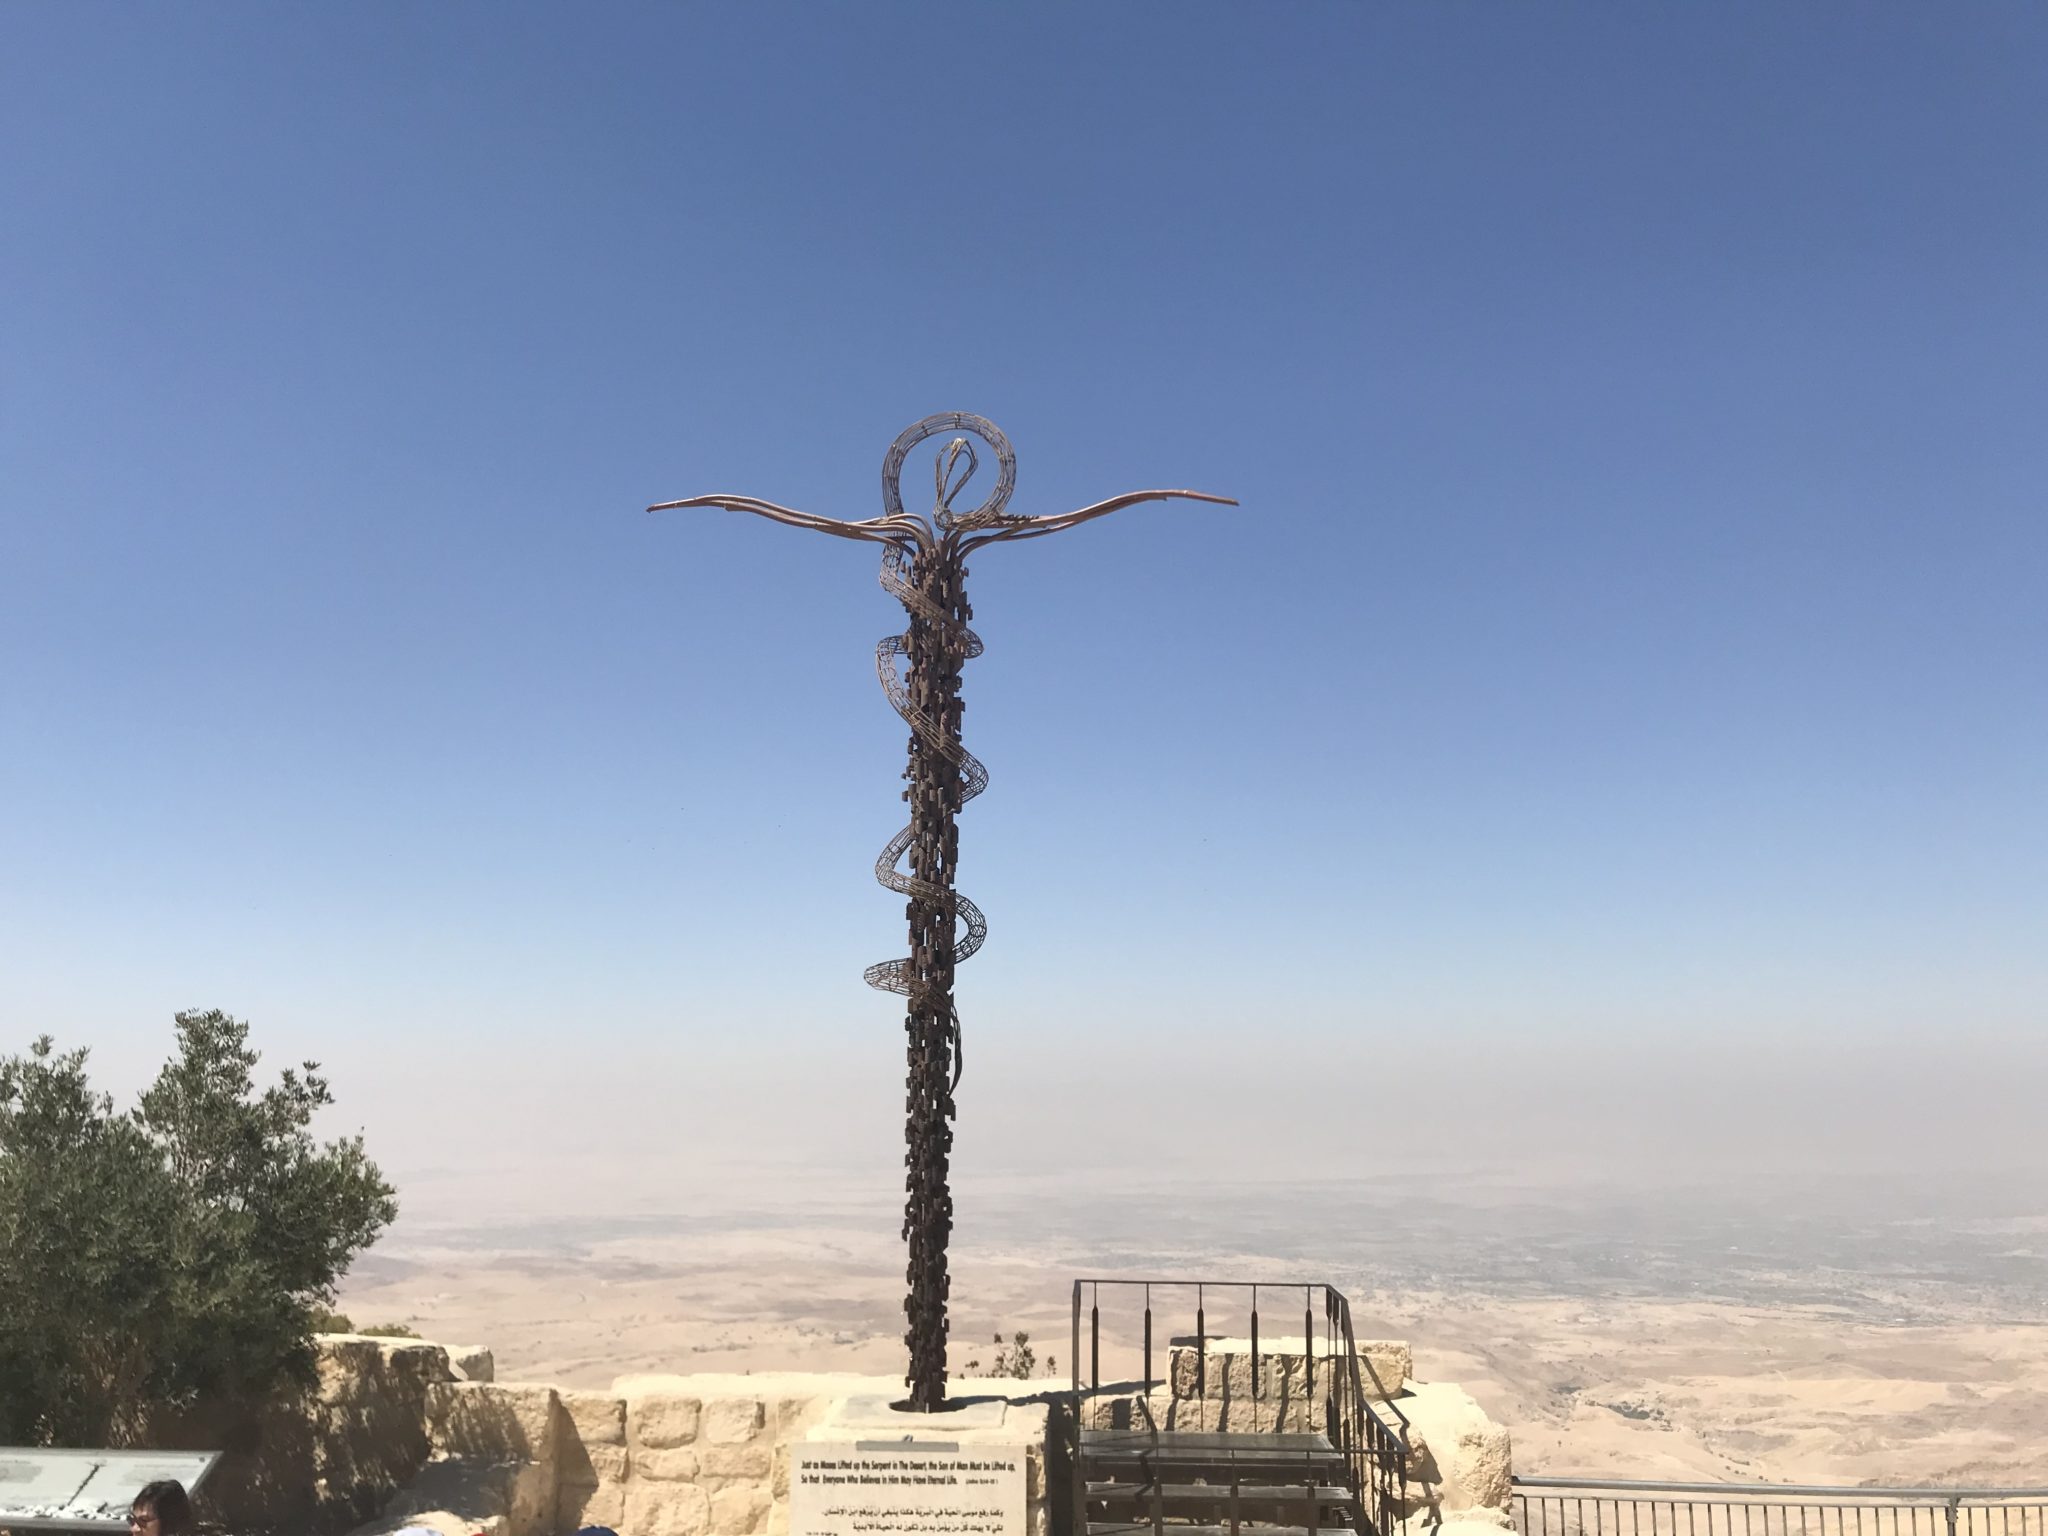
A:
[(1837, 1332)]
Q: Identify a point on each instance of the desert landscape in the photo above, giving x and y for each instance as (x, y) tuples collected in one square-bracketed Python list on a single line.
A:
[(1838, 1331)]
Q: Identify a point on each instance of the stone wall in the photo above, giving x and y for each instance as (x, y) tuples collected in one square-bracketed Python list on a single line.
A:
[(710, 1455), (704, 1455), (324, 1459), (395, 1435), (1214, 1388)]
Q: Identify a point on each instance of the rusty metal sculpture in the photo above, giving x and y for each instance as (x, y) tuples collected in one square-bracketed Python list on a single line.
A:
[(924, 568)]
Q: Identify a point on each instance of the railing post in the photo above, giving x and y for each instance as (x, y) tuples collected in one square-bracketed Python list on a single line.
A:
[(1255, 1352), (1308, 1352), (1077, 1469), (1095, 1339), (1074, 1355), (1148, 1341), (1330, 1426), (1201, 1355), (1951, 1511)]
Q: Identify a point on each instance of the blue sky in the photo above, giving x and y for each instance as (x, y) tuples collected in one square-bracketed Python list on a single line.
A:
[(1633, 633)]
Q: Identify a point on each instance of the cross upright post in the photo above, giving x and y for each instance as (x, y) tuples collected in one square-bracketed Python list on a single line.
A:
[(924, 568)]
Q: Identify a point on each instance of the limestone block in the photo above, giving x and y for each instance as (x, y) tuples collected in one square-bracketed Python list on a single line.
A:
[(472, 1362), (351, 1354), (750, 1463), (778, 1483), (789, 1417), (354, 1369), (666, 1509), (1189, 1413), (1259, 1415), (1391, 1360), (412, 1360), (1105, 1412), (1417, 1505), (592, 1438), (1486, 1466), (598, 1417), (491, 1422), (676, 1464), (659, 1420), (1421, 1464), (1465, 1461), (739, 1509), (778, 1519), (1223, 1369), (533, 1501), (519, 1494), (603, 1504), (333, 1460), (733, 1420)]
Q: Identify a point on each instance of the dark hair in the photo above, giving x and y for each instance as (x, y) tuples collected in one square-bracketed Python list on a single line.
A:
[(168, 1501)]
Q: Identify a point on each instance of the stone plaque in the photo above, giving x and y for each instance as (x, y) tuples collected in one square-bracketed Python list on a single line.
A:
[(894, 1488)]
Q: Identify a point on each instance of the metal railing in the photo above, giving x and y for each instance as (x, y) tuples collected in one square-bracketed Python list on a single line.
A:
[(1373, 1445), (1569, 1506)]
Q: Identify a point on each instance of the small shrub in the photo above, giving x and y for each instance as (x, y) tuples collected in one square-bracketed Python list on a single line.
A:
[(1017, 1359)]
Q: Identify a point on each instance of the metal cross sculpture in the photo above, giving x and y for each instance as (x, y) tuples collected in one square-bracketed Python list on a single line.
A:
[(924, 567)]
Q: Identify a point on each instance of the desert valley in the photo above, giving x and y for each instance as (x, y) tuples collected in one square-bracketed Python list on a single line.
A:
[(1838, 1332)]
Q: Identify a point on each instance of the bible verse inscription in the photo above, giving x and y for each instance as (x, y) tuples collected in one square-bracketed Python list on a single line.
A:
[(843, 1490)]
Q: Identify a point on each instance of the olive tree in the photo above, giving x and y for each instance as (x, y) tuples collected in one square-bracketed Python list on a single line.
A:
[(172, 1253)]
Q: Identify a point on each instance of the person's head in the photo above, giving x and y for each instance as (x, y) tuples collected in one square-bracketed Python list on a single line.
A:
[(161, 1509)]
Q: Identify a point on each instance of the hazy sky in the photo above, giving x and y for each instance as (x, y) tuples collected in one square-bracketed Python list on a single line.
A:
[(1631, 648)]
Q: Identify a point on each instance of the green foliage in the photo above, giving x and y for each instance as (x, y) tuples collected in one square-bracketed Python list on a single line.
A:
[(326, 1320), (389, 1331), (1016, 1359), (175, 1252)]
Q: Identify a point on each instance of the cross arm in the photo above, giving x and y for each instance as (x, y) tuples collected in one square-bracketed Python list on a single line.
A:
[(1037, 527), (877, 530)]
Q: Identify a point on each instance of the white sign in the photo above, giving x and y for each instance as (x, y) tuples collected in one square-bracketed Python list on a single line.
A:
[(29, 1478), (84, 1490), (870, 1489)]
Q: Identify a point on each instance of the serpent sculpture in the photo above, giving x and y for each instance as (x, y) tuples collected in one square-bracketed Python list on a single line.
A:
[(952, 644), (924, 568)]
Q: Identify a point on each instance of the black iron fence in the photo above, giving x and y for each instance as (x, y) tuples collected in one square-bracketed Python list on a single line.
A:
[(1159, 1352), (1567, 1506)]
